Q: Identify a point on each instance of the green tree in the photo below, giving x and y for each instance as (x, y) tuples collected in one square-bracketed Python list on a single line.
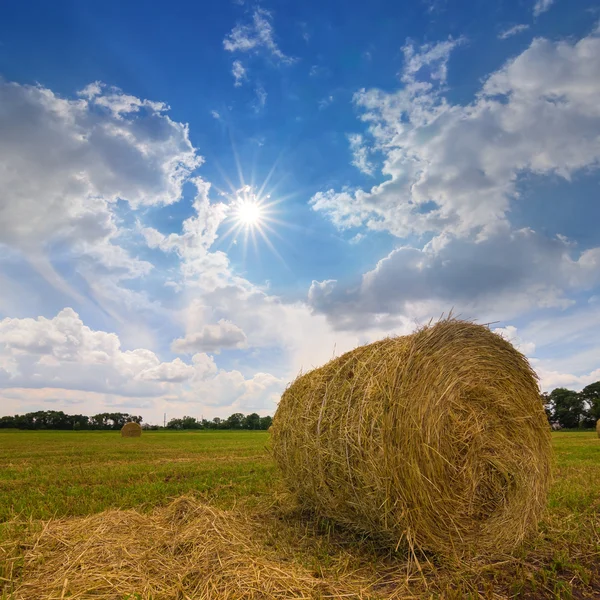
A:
[(568, 407), (235, 421), (252, 421), (266, 422), (591, 396)]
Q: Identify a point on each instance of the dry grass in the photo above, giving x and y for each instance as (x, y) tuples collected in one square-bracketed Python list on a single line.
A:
[(435, 441), (131, 429), (189, 550), (186, 550)]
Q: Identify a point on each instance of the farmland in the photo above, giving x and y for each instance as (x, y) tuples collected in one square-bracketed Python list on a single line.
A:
[(54, 475)]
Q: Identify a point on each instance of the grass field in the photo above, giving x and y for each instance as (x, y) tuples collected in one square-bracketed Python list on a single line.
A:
[(45, 475)]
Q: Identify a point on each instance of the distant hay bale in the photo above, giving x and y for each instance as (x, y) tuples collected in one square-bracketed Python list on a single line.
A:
[(131, 429), (436, 440)]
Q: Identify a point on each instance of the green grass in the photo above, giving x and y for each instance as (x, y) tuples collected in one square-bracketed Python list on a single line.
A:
[(46, 474), (52, 473)]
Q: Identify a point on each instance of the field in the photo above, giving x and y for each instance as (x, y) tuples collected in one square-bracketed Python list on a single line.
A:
[(57, 475)]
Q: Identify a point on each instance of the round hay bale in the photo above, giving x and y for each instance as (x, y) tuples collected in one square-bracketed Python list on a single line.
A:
[(598, 427), (131, 429), (437, 440)]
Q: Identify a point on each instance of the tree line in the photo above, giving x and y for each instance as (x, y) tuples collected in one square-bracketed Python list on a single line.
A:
[(565, 408), (56, 419), (570, 409), (234, 421)]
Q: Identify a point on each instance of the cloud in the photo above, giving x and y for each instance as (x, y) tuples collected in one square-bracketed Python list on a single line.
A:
[(67, 162), (498, 277), (456, 168), (360, 154), (212, 338), (63, 361), (258, 35), (515, 30), (428, 61), (239, 73), (325, 102), (541, 6), (63, 352), (261, 98)]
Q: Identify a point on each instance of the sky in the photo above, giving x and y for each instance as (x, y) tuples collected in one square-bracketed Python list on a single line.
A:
[(201, 200)]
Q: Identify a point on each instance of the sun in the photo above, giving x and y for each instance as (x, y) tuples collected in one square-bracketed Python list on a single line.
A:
[(249, 213), (252, 216)]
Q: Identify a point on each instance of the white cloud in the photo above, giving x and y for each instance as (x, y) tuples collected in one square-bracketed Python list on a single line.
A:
[(63, 361), (456, 168), (515, 30), (325, 102), (67, 162), (239, 73), (256, 35), (360, 154), (496, 278), (212, 338), (429, 61), (541, 6), (261, 98)]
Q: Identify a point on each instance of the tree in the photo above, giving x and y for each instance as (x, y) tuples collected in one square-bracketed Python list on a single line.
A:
[(252, 421), (567, 407), (266, 422), (591, 396), (235, 421)]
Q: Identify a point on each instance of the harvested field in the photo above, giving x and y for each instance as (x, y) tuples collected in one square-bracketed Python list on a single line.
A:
[(264, 544)]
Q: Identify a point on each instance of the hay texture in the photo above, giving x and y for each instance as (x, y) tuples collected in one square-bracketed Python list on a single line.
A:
[(598, 427), (131, 430), (436, 440), (183, 551)]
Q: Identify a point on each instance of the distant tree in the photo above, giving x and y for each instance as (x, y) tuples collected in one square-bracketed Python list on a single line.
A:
[(190, 423), (266, 422), (218, 423), (568, 407), (591, 396), (8, 422), (252, 421), (235, 421)]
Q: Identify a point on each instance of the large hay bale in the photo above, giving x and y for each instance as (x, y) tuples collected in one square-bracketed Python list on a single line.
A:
[(131, 429), (598, 427), (437, 440)]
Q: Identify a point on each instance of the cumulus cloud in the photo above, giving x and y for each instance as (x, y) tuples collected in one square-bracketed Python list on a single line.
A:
[(87, 154), (515, 30), (66, 164), (456, 168), (360, 154), (258, 35), (63, 358), (500, 277), (212, 338)]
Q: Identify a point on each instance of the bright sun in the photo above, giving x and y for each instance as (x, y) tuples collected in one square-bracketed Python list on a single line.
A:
[(249, 213)]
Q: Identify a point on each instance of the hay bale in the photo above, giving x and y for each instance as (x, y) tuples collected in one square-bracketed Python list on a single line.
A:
[(131, 429), (598, 427), (436, 440)]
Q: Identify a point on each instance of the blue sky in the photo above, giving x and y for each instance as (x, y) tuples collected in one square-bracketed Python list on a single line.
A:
[(199, 200)]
